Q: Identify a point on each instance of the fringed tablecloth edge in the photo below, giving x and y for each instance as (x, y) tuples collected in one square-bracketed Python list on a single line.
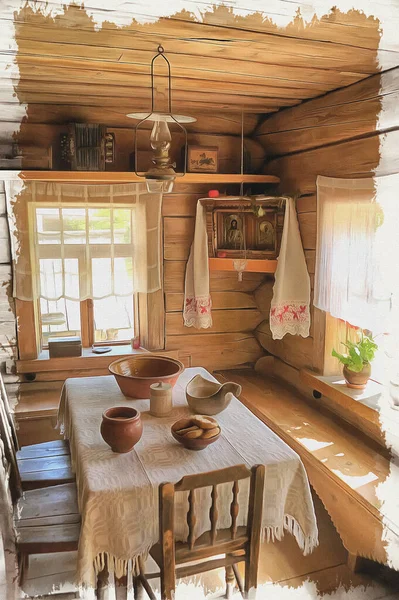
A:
[(307, 543), (120, 566)]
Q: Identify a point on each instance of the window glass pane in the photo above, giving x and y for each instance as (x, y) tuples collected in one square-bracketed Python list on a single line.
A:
[(99, 225), (71, 275), (59, 305), (102, 277), (48, 225), (106, 282), (122, 226), (59, 318), (123, 276), (74, 222), (52, 274), (51, 278), (113, 319)]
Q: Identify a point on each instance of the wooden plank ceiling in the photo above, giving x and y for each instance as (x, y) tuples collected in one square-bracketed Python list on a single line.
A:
[(70, 69)]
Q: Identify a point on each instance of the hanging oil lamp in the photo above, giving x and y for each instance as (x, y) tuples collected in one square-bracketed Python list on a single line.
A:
[(160, 178)]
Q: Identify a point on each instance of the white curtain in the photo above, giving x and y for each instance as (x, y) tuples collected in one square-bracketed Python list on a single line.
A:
[(357, 270), (83, 241)]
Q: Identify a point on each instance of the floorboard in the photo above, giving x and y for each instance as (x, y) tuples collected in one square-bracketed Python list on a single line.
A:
[(283, 571)]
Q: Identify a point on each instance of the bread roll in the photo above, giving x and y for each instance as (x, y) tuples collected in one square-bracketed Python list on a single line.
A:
[(210, 433), (196, 433), (204, 422)]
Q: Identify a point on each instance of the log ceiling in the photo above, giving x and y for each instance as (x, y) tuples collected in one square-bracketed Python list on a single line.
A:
[(69, 68)]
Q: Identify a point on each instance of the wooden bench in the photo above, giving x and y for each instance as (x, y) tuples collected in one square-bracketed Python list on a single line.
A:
[(343, 465)]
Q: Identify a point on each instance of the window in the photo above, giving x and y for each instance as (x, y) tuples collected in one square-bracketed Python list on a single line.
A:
[(86, 261), (357, 277), (84, 266)]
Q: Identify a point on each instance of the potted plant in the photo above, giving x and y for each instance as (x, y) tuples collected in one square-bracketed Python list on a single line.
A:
[(357, 368)]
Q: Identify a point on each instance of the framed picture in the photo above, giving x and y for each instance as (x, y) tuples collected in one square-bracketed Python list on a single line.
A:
[(266, 232), (202, 159), (232, 228), (232, 231)]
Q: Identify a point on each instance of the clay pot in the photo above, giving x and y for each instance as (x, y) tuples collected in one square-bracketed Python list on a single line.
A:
[(206, 397), (136, 374), (357, 381), (121, 428)]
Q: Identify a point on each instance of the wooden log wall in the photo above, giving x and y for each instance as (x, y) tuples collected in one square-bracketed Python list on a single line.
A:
[(337, 135), (231, 341)]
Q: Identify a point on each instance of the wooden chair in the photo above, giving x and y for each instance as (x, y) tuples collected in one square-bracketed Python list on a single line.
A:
[(236, 543), (40, 465), (46, 520)]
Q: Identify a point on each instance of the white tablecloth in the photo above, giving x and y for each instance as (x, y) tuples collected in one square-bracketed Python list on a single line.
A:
[(118, 493)]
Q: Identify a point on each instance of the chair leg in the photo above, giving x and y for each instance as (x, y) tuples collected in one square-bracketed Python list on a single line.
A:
[(251, 578), (229, 582), (167, 585), (102, 583), (137, 588), (141, 582), (23, 563), (239, 580)]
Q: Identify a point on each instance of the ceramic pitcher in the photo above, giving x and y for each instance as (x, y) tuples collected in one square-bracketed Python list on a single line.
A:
[(206, 397)]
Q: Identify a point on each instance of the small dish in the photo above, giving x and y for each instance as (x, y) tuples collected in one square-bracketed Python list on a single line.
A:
[(198, 443)]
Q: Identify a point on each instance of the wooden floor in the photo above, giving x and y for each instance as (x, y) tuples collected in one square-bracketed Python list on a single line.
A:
[(281, 563)]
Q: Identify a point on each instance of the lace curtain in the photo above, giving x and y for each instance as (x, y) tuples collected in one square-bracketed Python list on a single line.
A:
[(83, 241), (357, 253)]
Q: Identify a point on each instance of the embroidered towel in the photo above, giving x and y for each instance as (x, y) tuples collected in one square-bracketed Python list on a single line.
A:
[(289, 310), (197, 300)]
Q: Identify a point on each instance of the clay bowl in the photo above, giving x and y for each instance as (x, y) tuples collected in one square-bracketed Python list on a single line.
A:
[(192, 444), (135, 374), (121, 428)]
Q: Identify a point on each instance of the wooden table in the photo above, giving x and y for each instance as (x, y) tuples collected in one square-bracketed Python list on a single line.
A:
[(118, 493)]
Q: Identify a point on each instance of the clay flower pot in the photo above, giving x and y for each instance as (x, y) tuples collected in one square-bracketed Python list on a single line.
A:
[(357, 381), (121, 428)]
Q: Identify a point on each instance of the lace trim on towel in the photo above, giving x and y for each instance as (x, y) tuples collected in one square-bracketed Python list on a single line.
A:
[(197, 312), (290, 317)]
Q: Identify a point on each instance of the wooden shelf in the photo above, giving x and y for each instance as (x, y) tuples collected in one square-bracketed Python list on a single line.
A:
[(129, 177), (254, 265)]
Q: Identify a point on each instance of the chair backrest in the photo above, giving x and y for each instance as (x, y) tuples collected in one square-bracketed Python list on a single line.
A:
[(220, 541), (7, 408), (10, 454)]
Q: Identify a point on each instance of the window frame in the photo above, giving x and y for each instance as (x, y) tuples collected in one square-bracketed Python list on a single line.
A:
[(150, 306), (77, 251)]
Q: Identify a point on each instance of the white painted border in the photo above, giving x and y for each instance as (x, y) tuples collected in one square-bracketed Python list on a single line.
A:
[(282, 13)]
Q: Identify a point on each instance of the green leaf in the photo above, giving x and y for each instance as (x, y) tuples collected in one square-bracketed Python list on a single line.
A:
[(341, 357), (359, 353)]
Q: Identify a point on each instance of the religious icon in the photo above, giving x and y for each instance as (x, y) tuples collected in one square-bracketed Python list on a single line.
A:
[(266, 235), (233, 232)]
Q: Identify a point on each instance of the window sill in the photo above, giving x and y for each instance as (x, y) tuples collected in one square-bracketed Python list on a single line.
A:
[(358, 407), (88, 361)]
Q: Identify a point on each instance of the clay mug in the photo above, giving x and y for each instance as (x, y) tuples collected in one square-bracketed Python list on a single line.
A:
[(121, 428)]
